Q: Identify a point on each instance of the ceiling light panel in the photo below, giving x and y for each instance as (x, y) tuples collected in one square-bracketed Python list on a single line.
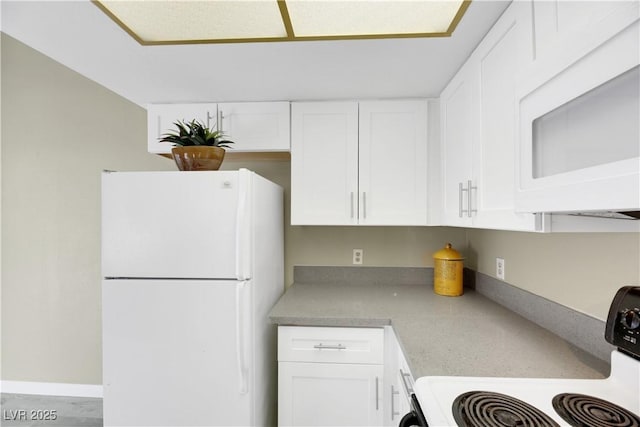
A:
[(335, 18), (171, 21)]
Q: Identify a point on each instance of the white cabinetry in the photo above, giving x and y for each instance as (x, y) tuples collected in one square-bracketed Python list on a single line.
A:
[(456, 104), (253, 126), (359, 163), (565, 30), (479, 129), (161, 119), (396, 373), (324, 163), (330, 376)]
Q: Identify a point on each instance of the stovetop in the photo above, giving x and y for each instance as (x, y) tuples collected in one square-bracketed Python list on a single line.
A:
[(539, 402), (437, 394)]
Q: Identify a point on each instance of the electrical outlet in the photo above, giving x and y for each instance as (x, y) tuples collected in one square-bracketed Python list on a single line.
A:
[(357, 256), (500, 268)]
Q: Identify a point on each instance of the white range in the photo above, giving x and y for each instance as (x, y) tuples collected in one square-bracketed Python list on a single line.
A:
[(536, 402)]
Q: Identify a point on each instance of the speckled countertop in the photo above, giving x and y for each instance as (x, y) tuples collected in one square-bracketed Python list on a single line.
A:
[(468, 335)]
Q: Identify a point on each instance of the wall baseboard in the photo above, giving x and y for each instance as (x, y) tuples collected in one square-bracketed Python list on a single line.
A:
[(51, 389)]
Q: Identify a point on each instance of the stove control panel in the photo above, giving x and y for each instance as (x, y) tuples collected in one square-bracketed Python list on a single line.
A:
[(623, 322)]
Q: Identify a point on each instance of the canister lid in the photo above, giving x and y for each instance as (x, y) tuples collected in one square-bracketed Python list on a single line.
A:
[(448, 253)]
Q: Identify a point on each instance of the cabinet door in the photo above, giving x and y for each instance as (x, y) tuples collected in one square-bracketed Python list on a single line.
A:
[(393, 162), (395, 400), (255, 126), (456, 125), (500, 60), (329, 394), (566, 30), (324, 163), (405, 379), (161, 119)]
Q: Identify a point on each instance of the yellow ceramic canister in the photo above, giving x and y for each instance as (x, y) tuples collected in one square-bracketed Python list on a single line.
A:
[(447, 275)]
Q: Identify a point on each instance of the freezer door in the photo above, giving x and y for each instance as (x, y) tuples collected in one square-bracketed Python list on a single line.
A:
[(175, 224), (175, 353)]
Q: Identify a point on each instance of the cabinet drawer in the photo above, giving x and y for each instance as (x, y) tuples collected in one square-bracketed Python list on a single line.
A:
[(330, 345)]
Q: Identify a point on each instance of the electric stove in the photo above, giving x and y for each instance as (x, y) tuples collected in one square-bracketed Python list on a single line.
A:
[(551, 402)]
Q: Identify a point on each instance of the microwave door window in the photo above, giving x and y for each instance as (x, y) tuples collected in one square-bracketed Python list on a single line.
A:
[(601, 126)]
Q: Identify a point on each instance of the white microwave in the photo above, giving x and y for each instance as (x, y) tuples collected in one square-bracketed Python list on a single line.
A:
[(578, 148)]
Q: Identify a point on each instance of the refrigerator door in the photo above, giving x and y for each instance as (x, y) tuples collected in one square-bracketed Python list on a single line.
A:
[(175, 353), (176, 224)]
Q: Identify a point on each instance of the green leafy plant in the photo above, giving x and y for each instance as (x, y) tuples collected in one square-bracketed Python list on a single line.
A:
[(195, 133)]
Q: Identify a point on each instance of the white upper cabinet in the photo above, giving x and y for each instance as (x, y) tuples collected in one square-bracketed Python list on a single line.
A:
[(359, 163), (324, 163), (253, 126), (565, 31), (479, 129), (579, 132), (501, 57), (161, 119), (456, 104), (256, 126), (393, 162)]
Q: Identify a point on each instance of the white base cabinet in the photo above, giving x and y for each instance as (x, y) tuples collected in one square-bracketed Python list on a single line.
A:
[(330, 376), (396, 399), (329, 394)]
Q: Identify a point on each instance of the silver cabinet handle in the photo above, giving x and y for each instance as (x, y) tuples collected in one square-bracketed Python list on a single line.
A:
[(329, 347), (461, 190), (393, 409), (352, 205), (377, 394), (220, 118), (364, 205), (470, 210), (209, 117), (460, 199), (405, 382)]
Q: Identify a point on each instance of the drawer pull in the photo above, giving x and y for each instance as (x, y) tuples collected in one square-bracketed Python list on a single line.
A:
[(329, 347)]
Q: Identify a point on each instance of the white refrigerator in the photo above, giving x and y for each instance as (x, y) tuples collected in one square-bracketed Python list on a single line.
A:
[(192, 263)]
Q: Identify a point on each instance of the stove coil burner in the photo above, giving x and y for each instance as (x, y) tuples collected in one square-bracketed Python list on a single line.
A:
[(489, 409), (587, 411)]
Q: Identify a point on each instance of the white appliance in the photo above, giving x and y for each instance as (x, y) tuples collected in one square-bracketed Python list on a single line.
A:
[(192, 264), (577, 148), (482, 401)]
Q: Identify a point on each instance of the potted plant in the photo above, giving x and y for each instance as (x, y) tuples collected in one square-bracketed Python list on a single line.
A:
[(196, 147)]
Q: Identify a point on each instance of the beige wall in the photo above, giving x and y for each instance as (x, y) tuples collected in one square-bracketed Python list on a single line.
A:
[(580, 270), (50, 225), (50, 217), (59, 131)]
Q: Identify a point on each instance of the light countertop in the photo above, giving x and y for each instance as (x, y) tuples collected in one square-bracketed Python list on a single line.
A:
[(468, 335)]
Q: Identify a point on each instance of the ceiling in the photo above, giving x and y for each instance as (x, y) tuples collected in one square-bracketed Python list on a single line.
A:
[(79, 35), (186, 22)]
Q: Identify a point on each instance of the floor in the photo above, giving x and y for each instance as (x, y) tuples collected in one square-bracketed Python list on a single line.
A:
[(23, 410)]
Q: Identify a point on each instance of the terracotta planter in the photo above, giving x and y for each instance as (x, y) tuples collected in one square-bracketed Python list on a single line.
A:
[(198, 158)]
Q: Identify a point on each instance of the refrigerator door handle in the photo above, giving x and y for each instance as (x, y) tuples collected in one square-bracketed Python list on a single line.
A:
[(240, 337), (243, 225)]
